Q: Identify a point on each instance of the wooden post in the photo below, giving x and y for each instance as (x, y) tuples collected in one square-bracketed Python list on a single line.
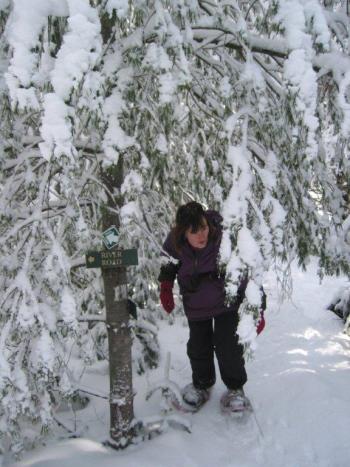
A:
[(117, 322)]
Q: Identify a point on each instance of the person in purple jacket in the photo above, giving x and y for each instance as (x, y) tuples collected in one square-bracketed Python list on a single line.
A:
[(195, 242)]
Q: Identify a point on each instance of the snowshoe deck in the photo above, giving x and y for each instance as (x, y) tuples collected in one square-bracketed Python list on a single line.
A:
[(236, 410)]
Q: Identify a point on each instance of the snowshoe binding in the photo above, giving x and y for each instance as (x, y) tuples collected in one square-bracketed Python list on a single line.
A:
[(235, 402)]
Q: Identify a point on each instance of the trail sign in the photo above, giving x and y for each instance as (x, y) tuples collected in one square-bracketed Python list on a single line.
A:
[(111, 259), (110, 237)]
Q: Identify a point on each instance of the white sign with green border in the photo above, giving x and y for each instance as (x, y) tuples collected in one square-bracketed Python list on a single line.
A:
[(110, 237)]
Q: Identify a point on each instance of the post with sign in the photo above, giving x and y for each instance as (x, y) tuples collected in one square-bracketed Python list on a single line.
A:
[(113, 265)]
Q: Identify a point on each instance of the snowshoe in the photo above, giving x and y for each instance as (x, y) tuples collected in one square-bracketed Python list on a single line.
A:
[(187, 400), (235, 402), (194, 398)]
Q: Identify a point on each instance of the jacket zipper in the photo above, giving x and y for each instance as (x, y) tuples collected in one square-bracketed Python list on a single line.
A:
[(195, 265)]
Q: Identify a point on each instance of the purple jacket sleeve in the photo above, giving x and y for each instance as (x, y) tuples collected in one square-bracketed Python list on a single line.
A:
[(169, 271), (241, 291), (214, 217), (241, 294), (169, 248)]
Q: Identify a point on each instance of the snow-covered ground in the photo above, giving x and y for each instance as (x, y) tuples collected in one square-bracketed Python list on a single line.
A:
[(298, 383)]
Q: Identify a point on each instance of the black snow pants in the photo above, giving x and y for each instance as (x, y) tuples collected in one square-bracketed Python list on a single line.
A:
[(217, 335)]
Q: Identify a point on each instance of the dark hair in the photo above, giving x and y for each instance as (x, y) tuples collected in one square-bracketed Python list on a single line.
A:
[(190, 216)]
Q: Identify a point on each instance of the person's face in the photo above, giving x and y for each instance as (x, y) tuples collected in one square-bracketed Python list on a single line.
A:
[(200, 238)]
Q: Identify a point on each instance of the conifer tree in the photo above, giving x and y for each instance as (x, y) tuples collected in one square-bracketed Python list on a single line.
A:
[(243, 106)]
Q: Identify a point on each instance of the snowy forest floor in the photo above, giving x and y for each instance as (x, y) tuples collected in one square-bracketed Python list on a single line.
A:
[(298, 383)]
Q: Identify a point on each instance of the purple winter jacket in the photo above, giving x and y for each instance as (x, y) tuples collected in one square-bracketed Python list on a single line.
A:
[(201, 287)]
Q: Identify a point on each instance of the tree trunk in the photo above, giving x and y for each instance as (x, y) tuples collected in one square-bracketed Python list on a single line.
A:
[(117, 321)]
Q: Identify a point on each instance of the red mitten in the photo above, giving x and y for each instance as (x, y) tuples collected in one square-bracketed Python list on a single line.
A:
[(166, 296), (261, 324)]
